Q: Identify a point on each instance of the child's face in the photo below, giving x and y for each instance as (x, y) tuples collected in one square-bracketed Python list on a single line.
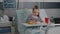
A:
[(35, 12)]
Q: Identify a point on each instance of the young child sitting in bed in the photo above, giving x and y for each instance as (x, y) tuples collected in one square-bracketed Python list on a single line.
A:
[(34, 17)]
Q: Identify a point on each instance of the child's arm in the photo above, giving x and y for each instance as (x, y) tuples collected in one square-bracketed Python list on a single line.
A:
[(28, 19)]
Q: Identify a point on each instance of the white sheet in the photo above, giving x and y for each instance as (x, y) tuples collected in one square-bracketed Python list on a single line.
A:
[(55, 30)]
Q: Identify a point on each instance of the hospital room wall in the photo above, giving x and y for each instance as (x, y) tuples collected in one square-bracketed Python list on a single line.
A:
[(9, 12), (49, 12), (38, 0), (53, 12)]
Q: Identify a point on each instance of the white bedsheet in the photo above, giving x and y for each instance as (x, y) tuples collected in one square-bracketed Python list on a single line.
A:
[(55, 30)]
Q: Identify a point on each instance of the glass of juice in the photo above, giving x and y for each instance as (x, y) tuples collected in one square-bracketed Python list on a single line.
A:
[(46, 20)]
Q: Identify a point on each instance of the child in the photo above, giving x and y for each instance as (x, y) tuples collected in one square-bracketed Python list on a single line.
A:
[(34, 17)]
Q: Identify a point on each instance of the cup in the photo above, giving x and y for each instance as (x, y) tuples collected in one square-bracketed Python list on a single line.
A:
[(46, 20)]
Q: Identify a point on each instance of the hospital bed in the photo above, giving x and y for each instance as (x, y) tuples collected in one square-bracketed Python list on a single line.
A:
[(54, 30), (21, 16)]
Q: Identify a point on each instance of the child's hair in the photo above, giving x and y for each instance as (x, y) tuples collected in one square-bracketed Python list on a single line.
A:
[(36, 7)]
